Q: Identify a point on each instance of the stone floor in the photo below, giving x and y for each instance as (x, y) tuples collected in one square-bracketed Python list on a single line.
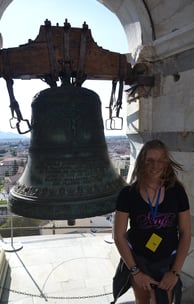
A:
[(70, 268)]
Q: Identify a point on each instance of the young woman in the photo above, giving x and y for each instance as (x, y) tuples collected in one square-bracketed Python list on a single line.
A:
[(156, 245)]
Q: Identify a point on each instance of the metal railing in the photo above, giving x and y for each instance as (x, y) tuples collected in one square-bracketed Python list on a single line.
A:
[(90, 225)]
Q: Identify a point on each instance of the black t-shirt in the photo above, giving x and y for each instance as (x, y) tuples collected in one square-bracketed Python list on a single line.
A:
[(142, 226)]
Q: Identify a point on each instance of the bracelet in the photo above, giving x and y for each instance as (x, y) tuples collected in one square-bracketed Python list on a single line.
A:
[(138, 271), (175, 273)]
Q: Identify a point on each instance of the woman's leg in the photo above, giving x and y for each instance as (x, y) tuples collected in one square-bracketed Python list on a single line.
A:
[(143, 296), (170, 296)]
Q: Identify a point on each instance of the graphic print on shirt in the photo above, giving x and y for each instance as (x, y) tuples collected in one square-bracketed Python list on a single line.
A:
[(162, 220)]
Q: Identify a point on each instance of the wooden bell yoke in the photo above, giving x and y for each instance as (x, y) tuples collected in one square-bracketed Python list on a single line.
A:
[(57, 47), (65, 52)]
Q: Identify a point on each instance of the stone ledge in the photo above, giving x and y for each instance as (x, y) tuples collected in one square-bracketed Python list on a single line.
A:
[(187, 276), (3, 269)]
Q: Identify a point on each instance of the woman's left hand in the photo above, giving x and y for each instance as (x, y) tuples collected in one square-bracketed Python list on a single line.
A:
[(168, 281)]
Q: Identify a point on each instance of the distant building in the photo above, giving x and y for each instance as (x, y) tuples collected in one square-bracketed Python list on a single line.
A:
[(10, 181), (7, 166), (121, 165)]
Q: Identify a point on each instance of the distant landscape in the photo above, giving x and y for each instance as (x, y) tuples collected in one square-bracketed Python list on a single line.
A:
[(10, 135), (17, 136)]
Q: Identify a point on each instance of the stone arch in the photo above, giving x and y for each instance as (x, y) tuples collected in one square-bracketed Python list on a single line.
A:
[(132, 16), (135, 19)]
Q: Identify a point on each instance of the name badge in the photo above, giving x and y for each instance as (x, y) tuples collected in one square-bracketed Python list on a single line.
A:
[(153, 242)]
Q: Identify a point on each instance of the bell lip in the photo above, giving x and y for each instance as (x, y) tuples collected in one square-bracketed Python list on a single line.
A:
[(114, 188), (65, 211)]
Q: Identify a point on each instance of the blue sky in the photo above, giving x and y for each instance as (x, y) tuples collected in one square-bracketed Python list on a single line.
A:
[(21, 21)]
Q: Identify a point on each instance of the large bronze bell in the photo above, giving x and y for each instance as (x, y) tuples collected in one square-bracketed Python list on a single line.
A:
[(68, 174)]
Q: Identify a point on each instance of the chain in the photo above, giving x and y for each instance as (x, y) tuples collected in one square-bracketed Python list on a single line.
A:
[(55, 298)]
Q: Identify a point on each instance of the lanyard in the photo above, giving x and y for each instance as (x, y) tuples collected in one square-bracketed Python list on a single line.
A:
[(154, 209)]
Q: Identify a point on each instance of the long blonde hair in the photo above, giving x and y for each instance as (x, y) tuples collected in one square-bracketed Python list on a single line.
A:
[(172, 167)]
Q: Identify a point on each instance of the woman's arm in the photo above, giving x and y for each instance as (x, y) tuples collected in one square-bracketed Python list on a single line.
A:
[(184, 227), (170, 278), (120, 228)]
